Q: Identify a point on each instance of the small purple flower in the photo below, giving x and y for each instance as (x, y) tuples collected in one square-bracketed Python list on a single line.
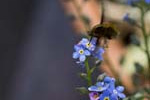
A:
[(90, 45), (94, 96), (99, 53), (99, 87), (80, 53)]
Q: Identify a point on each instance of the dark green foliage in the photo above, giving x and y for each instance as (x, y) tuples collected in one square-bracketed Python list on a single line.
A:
[(92, 69), (134, 40), (136, 81), (139, 68), (147, 90)]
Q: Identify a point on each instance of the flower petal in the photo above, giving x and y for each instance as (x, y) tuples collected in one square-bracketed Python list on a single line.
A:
[(114, 97), (105, 94), (75, 55), (84, 41), (92, 88), (101, 50), (87, 53), (77, 47), (99, 83), (120, 88), (121, 95), (93, 41), (94, 96), (82, 58), (107, 79)]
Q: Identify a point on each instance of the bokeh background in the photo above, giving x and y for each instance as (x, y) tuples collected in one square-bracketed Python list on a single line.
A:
[(36, 43)]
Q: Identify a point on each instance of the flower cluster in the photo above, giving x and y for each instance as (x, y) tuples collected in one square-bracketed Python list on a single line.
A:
[(87, 48), (106, 90)]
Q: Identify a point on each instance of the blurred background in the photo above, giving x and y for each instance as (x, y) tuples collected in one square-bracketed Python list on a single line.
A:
[(36, 45)]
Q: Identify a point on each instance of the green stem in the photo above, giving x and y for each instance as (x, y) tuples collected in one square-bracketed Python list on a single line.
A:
[(145, 39), (89, 74)]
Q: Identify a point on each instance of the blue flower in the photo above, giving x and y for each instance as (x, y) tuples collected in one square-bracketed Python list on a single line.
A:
[(147, 1), (81, 53), (111, 82), (106, 90), (115, 92), (126, 18), (90, 45), (106, 95), (99, 87), (118, 92), (98, 53)]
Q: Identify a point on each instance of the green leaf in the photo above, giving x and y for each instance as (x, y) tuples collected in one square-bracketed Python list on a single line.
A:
[(98, 62), (139, 96), (101, 77), (82, 90), (147, 90), (83, 75), (139, 68), (92, 69)]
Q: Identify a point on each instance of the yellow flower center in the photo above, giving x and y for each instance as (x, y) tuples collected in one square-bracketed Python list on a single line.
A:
[(88, 45), (81, 51), (99, 88), (106, 98)]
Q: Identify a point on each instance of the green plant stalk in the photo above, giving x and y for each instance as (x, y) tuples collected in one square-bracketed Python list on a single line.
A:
[(89, 74), (145, 39)]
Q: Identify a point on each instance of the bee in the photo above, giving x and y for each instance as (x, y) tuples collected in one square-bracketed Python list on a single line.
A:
[(104, 31)]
